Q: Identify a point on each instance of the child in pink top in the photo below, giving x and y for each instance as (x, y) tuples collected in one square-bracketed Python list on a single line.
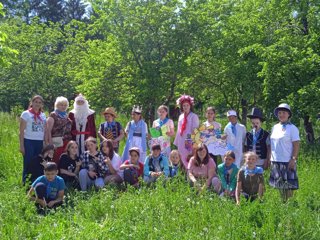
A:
[(202, 170), (188, 121)]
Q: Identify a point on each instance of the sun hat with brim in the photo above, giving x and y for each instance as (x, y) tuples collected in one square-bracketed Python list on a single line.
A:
[(256, 113), (231, 113), (110, 110), (137, 150), (283, 107)]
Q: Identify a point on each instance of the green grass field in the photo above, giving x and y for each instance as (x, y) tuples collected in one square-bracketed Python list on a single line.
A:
[(171, 212)]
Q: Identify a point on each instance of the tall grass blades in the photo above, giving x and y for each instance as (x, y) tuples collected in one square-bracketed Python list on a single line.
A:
[(167, 211)]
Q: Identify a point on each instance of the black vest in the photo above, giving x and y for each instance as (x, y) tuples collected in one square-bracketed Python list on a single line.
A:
[(151, 166), (261, 146)]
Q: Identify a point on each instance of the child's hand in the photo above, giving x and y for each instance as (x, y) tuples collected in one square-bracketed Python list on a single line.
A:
[(22, 150), (154, 174), (78, 164), (107, 160), (50, 204), (92, 174), (136, 166)]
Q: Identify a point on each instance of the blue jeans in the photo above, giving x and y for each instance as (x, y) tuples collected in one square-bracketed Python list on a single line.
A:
[(86, 182), (32, 148)]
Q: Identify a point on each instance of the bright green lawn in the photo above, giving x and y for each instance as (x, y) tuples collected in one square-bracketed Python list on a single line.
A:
[(174, 212)]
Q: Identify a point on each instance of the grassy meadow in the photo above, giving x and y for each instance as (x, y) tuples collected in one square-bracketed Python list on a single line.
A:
[(173, 211)]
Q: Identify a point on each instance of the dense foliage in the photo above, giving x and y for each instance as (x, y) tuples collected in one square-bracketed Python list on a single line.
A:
[(231, 54)]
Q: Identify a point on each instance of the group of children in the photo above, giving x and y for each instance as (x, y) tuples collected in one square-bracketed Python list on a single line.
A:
[(83, 165), (103, 166)]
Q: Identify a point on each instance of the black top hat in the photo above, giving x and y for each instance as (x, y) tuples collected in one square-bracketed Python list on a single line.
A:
[(256, 113)]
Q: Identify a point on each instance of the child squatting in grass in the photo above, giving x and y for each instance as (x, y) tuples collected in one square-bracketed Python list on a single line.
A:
[(48, 189)]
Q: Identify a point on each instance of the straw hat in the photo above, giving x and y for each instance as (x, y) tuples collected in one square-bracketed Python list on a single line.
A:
[(110, 110)]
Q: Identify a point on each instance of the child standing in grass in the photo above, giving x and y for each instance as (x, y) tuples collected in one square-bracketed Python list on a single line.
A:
[(136, 132), (111, 129), (175, 164), (163, 120), (250, 182), (132, 168), (48, 189), (227, 172), (216, 127)]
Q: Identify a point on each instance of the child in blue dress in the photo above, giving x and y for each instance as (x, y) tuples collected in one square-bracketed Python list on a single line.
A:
[(136, 132)]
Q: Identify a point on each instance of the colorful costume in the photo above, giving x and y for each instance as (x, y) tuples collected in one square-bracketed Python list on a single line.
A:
[(183, 141), (137, 137)]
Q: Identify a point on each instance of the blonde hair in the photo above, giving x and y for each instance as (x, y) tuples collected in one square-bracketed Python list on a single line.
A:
[(175, 152), (61, 100), (249, 154)]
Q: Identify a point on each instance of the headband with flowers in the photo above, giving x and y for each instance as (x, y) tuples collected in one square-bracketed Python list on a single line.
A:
[(185, 98)]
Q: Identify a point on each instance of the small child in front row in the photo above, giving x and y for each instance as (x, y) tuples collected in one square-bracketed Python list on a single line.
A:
[(175, 164), (132, 168), (48, 189), (250, 182), (227, 172)]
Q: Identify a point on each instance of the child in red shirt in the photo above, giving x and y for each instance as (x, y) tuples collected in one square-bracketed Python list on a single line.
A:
[(132, 168)]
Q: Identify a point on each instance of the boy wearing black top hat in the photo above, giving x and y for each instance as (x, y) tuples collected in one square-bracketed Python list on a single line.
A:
[(258, 140)]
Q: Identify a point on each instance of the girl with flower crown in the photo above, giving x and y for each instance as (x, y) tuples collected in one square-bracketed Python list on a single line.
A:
[(136, 132), (31, 132), (59, 128), (188, 121)]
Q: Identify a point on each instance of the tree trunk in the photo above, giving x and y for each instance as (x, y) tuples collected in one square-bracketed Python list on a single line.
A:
[(308, 129), (244, 107)]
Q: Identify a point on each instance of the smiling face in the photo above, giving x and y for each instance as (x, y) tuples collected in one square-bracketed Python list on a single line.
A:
[(91, 146), (162, 113), (37, 104), (73, 149), (202, 153), (186, 107), (134, 157), (62, 106), (174, 158), (251, 161), (283, 116)]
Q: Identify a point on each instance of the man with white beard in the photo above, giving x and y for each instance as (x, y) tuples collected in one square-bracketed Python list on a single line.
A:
[(83, 125)]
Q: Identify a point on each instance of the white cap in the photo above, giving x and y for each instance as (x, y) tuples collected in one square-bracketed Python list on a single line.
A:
[(231, 113)]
